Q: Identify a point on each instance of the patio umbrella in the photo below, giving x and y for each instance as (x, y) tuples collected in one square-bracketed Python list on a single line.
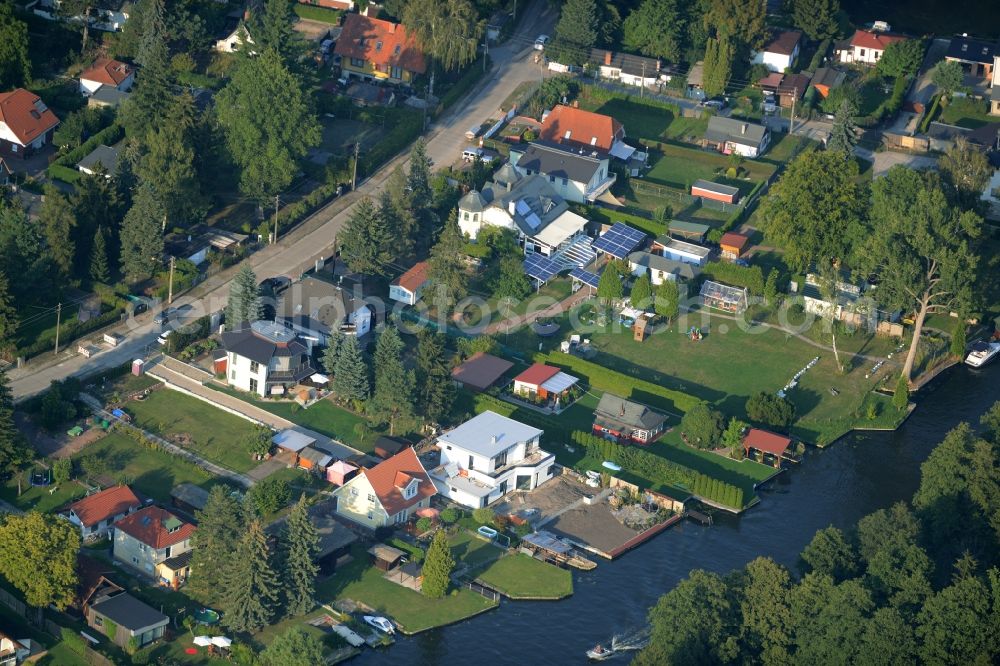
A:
[(428, 512), (202, 641), (221, 641)]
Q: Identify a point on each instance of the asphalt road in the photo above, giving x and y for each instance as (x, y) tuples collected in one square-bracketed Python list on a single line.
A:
[(315, 238)]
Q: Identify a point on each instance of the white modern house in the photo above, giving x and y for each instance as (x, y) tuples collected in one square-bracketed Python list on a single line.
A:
[(580, 175), (659, 268), (488, 457), (688, 253), (265, 358), (313, 308), (527, 205), (781, 52), (867, 46)]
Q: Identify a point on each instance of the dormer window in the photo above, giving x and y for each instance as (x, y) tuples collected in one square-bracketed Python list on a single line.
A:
[(411, 489), (378, 46), (593, 140), (567, 135), (395, 51)]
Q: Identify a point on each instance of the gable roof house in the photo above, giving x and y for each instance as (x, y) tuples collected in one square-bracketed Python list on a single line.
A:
[(577, 128), (731, 135), (26, 124), (103, 158), (372, 48), (528, 206), (488, 457), (106, 72), (480, 371), (95, 514), (148, 539), (265, 358), (780, 53), (408, 287), (388, 493), (233, 33), (313, 308), (826, 79), (659, 268), (631, 70), (580, 175), (627, 420), (976, 56), (866, 47), (543, 381)]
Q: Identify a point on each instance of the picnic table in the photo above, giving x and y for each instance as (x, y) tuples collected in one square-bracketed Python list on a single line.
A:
[(75, 431)]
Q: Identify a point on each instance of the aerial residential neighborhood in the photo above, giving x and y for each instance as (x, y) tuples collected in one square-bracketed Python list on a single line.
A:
[(508, 330)]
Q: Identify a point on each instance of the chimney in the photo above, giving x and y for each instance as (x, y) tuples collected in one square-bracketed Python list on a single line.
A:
[(511, 206), (246, 14), (607, 58), (621, 412), (576, 104), (743, 128), (493, 439)]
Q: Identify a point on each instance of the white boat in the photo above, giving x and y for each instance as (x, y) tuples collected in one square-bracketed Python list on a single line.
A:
[(982, 353), (380, 623), (614, 467)]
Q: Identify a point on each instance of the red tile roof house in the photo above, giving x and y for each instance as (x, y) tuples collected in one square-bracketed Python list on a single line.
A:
[(106, 72), (766, 443), (408, 286), (95, 514), (373, 49), (866, 47), (576, 127), (387, 494), (26, 124), (148, 538)]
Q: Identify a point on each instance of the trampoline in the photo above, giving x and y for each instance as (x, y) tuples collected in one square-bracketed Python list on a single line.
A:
[(545, 329), (206, 616)]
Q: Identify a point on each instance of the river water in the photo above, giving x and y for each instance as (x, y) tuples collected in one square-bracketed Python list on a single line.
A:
[(859, 474)]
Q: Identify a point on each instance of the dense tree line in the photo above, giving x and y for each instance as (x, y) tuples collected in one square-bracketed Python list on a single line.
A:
[(914, 583)]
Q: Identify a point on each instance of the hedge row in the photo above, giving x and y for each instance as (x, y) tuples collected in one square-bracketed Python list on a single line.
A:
[(472, 75), (890, 106), (603, 379), (406, 127), (600, 94), (751, 277), (63, 173), (659, 470), (929, 114), (68, 333)]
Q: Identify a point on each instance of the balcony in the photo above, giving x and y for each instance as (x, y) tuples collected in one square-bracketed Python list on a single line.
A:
[(536, 457)]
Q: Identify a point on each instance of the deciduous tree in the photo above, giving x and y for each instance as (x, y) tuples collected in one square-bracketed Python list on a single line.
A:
[(766, 631), (438, 565), (702, 426), (901, 58), (266, 139), (815, 209), (448, 30), (744, 22), (38, 557), (511, 282), (252, 586), (656, 28), (947, 76), (921, 249), (966, 173), (667, 301), (295, 647), (768, 409), (829, 554)]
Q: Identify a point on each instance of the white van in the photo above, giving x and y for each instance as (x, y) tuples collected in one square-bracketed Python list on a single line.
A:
[(472, 154)]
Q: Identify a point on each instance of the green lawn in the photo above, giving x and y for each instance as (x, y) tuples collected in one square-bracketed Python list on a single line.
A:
[(521, 576), (679, 167), (321, 14), (149, 471), (646, 121), (215, 435), (966, 112), (472, 550), (412, 610), (39, 498), (324, 417)]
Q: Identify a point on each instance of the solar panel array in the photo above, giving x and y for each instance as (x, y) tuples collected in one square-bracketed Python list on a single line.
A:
[(620, 240), (541, 267), (585, 277)]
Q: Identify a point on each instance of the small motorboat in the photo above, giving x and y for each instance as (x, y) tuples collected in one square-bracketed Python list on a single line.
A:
[(380, 623), (982, 353), (599, 653), (613, 466)]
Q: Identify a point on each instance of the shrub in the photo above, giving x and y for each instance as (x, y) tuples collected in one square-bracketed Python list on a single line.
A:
[(450, 515), (424, 524), (751, 277), (702, 425), (901, 396), (268, 495), (484, 515)]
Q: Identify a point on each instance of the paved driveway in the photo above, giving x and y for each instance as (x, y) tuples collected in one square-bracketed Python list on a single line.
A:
[(886, 160)]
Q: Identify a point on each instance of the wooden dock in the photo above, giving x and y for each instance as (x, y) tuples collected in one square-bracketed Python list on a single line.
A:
[(698, 516), (548, 547)]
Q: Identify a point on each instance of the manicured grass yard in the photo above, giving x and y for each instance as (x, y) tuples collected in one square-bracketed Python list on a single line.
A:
[(966, 112), (678, 166), (647, 121), (472, 550), (521, 576), (215, 435), (149, 471), (39, 498), (412, 610)]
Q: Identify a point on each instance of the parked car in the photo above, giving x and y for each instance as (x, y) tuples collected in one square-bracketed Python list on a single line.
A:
[(163, 316), (717, 103), (540, 42), (769, 105), (162, 340)]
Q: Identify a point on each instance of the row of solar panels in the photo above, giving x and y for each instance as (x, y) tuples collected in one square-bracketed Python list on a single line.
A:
[(619, 241)]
